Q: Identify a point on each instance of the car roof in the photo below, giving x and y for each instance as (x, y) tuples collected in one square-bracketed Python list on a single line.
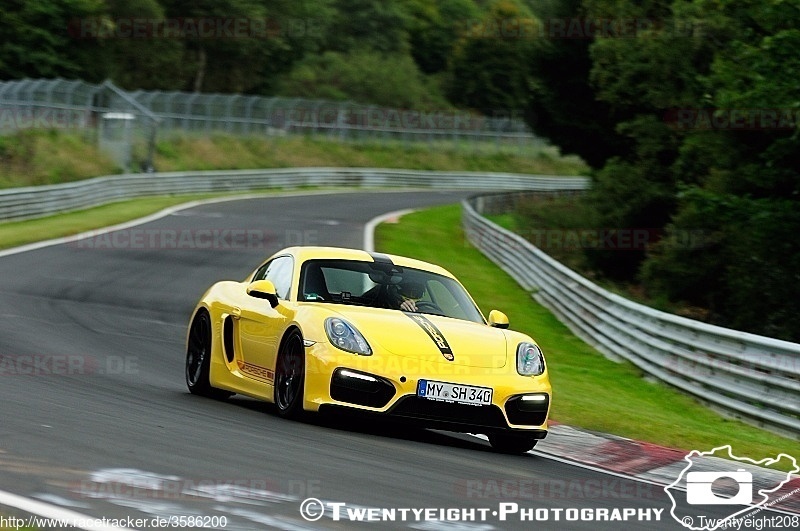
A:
[(304, 253)]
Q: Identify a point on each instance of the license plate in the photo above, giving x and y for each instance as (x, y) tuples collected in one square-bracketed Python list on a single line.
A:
[(448, 392)]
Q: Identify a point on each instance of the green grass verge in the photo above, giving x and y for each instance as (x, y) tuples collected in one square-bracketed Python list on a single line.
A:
[(34, 157), (15, 233), (218, 151), (589, 391)]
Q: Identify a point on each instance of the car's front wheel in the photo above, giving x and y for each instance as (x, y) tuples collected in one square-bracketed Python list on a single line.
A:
[(198, 358), (509, 443), (290, 376)]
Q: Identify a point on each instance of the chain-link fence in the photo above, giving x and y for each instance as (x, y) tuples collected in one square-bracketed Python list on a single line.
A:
[(46, 103), (119, 117), (121, 126)]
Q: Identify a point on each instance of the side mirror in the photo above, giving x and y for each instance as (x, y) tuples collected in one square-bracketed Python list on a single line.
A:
[(263, 289), (498, 319)]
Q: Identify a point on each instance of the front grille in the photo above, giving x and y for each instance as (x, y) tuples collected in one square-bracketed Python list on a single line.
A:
[(527, 413), (362, 392), (460, 415)]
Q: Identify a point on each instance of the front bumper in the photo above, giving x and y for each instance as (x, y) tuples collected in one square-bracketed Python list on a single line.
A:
[(387, 386)]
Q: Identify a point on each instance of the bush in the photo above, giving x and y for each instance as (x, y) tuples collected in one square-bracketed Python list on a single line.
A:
[(737, 256), (365, 77)]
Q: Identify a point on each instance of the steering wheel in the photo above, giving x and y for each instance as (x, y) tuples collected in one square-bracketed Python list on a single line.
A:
[(428, 307)]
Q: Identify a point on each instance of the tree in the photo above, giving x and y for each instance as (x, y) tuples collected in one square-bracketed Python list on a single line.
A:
[(140, 62), (229, 44), (640, 71), (364, 76), (693, 117), (489, 65), (744, 198), (42, 39), (434, 27), (562, 105), (635, 192), (304, 27), (374, 25)]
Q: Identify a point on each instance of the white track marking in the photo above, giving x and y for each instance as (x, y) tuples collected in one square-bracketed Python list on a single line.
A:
[(369, 228), (153, 217)]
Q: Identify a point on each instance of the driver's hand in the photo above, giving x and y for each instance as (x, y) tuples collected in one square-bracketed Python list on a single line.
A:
[(408, 306)]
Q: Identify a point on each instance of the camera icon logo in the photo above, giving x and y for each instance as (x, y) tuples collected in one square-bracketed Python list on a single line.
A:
[(699, 489)]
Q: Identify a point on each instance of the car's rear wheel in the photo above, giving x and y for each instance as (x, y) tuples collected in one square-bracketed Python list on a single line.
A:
[(509, 443), (198, 358), (290, 376)]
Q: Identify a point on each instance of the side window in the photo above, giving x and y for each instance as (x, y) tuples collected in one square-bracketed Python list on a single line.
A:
[(279, 272), (340, 280)]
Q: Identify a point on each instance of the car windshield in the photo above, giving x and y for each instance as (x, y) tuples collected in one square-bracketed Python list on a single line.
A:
[(384, 285)]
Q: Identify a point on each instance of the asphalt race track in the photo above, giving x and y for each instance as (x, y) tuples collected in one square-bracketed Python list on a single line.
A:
[(96, 417)]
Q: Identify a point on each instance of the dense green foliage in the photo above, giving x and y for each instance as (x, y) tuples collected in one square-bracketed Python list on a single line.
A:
[(715, 166), (697, 135), (34, 39), (416, 54), (489, 63), (394, 81)]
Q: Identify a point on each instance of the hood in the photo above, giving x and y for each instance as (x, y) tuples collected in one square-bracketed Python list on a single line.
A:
[(429, 338)]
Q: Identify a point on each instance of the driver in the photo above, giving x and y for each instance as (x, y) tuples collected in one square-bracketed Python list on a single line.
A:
[(406, 294)]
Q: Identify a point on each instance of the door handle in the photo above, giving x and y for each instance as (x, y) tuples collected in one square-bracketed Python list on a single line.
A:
[(236, 312)]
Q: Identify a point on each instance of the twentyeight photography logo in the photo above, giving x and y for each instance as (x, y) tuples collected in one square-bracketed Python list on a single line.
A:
[(720, 490)]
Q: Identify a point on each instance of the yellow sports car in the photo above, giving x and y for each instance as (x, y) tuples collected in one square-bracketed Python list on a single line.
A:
[(317, 328)]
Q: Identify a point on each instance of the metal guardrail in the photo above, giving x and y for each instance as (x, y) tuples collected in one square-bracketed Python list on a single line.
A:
[(36, 201), (751, 377)]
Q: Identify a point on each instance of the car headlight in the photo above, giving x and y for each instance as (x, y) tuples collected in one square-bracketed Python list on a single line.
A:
[(530, 360), (346, 337)]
